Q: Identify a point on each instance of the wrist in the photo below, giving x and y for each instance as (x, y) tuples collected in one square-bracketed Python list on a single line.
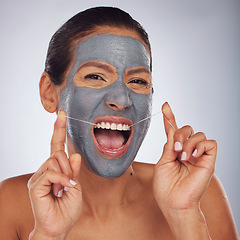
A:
[(35, 235), (188, 224)]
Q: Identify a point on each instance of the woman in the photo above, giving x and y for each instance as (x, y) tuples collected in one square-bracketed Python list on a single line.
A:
[(98, 79)]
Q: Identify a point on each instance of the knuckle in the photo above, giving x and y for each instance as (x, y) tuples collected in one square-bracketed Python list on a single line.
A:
[(178, 134), (57, 143), (187, 127), (201, 134), (187, 144), (199, 144), (48, 173), (183, 132), (58, 153), (51, 162), (214, 143)]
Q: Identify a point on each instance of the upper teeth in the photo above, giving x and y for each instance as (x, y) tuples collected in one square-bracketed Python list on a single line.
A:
[(113, 126)]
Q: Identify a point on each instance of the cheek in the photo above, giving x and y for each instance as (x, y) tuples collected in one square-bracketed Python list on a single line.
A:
[(142, 104), (85, 101)]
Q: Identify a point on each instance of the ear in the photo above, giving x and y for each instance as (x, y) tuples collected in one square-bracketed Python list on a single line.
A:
[(48, 93)]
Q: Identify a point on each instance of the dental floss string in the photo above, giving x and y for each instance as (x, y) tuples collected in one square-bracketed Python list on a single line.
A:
[(129, 126), (145, 119), (77, 119)]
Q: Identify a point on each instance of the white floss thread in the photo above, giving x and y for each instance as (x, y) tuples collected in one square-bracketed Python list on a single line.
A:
[(78, 119), (129, 126), (145, 119)]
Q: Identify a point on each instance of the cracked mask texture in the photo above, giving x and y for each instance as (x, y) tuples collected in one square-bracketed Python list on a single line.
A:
[(88, 103)]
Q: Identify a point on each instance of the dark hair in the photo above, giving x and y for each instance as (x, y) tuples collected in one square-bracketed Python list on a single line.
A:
[(60, 48)]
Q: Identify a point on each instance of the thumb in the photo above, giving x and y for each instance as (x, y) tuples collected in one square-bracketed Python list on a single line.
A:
[(169, 155), (75, 163)]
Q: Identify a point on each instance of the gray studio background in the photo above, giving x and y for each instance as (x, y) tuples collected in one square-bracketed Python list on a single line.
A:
[(196, 56)]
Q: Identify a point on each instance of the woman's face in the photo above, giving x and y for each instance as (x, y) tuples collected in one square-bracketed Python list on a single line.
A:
[(109, 85)]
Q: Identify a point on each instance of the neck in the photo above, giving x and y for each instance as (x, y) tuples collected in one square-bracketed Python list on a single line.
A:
[(103, 196)]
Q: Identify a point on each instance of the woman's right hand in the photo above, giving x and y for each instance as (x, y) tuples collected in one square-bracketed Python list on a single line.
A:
[(54, 190)]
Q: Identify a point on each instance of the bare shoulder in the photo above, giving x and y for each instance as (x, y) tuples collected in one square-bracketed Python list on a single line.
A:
[(14, 186), (15, 206), (217, 211)]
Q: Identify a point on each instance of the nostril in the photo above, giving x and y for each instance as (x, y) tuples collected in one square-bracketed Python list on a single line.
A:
[(128, 106), (117, 106), (114, 106)]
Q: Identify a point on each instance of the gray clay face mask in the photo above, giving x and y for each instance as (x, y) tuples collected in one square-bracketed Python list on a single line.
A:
[(108, 153)]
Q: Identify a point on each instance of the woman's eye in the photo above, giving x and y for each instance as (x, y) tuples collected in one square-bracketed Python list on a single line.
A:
[(94, 77), (139, 81)]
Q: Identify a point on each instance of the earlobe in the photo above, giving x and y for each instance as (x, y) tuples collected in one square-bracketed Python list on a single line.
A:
[(48, 93)]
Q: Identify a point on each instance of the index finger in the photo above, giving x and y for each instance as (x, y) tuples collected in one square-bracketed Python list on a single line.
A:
[(59, 133), (168, 118)]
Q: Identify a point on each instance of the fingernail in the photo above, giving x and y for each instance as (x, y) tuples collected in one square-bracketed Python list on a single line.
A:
[(60, 193), (184, 156), (66, 189), (166, 107), (60, 114), (72, 182), (194, 153), (177, 146)]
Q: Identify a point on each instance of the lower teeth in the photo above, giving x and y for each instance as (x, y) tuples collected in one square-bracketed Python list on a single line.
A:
[(114, 149)]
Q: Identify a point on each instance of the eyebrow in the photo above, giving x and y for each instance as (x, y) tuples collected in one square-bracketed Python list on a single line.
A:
[(137, 70), (98, 65)]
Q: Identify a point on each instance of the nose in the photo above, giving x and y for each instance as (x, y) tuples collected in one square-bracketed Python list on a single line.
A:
[(118, 99)]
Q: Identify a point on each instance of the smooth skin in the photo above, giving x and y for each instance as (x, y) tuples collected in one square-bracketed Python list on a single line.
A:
[(178, 198)]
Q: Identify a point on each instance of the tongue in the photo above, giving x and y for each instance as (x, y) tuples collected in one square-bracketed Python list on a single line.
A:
[(109, 139)]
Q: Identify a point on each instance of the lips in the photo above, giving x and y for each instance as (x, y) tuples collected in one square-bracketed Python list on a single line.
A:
[(112, 135)]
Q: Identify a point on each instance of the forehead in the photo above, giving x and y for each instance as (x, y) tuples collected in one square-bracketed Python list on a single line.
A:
[(119, 51)]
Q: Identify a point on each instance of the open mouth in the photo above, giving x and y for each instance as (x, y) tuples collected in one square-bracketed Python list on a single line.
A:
[(112, 136)]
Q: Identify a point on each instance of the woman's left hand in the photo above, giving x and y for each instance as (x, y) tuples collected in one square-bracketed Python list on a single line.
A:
[(187, 164)]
